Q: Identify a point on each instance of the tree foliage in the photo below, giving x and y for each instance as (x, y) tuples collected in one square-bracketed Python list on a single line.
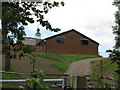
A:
[(115, 57), (36, 82), (16, 15), (116, 28), (115, 54)]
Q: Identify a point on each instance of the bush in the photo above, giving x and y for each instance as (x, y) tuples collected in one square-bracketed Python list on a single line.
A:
[(28, 49)]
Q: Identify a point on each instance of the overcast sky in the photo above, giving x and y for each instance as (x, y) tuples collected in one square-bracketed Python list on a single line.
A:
[(93, 18)]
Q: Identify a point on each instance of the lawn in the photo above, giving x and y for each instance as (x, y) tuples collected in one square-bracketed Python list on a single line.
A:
[(63, 60)]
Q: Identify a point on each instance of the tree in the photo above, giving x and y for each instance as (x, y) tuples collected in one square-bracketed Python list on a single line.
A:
[(115, 54), (15, 16), (116, 28), (115, 58)]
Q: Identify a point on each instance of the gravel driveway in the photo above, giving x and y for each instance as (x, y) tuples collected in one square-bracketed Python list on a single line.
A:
[(82, 67)]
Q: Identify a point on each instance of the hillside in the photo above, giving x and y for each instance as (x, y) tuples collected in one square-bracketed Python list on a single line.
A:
[(49, 63), (63, 60), (24, 65)]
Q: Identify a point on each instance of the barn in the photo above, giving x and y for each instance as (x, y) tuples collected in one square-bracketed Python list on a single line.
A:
[(69, 42)]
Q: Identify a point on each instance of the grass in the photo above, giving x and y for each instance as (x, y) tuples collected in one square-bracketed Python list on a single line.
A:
[(8, 75), (8, 86), (108, 69), (63, 60)]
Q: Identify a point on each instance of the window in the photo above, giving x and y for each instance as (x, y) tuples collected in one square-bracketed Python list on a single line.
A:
[(84, 42), (60, 40)]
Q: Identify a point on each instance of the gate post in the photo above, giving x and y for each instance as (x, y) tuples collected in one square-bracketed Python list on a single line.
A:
[(77, 82), (64, 84), (81, 82)]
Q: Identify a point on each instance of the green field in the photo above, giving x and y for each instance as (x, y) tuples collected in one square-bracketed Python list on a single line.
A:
[(63, 60)]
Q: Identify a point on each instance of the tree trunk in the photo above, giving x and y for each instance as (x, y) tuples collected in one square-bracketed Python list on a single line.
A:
[(7, 63), (7, 59), (6, 46), (118, 82)]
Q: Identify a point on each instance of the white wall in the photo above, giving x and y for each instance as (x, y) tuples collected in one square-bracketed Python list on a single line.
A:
[(30, 41)]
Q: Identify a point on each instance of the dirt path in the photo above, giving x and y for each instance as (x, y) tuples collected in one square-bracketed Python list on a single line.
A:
[(81, 67)]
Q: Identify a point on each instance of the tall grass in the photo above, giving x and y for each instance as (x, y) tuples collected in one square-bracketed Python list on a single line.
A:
[(63, 60), (108, 70)]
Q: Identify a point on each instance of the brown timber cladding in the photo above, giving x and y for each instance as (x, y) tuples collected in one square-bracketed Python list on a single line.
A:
[(71, 44)]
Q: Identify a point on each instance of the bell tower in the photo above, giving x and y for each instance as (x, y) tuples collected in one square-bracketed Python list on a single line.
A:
[(38, 34)]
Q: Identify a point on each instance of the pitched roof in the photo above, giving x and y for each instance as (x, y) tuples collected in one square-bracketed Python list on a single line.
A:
[(29, 38), (68, 32)]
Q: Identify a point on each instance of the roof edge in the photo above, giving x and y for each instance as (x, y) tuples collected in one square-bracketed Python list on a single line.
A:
[(70, 31)]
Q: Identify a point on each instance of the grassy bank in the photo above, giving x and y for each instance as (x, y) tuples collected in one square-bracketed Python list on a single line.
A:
[(108, 67), (63, 60), (108, 70)]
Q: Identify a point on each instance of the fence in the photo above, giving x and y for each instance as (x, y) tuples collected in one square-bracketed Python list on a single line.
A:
[(108, 82), (45, 80), (64, 81), (61, 81)]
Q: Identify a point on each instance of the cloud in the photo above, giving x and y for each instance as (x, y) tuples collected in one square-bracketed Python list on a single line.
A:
[(76, 14)]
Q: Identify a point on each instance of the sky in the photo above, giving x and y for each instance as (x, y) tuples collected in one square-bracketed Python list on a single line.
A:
[(93, 18)]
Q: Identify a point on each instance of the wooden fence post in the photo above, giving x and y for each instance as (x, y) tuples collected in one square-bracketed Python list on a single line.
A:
[(74, 82)]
